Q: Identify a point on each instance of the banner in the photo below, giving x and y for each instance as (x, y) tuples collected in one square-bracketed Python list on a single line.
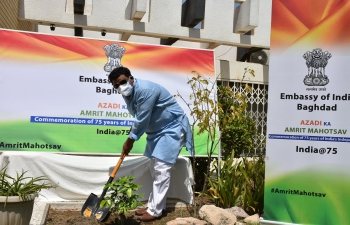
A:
[(308, 149), (56, 97)]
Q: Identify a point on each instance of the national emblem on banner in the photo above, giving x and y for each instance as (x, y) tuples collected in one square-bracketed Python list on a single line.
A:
[(114, 54), (316, 62)]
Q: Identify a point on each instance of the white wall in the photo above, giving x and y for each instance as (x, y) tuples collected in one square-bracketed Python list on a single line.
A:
[(163, 20)]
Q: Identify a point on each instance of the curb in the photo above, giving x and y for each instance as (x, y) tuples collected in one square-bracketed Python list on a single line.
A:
[(41, 210)]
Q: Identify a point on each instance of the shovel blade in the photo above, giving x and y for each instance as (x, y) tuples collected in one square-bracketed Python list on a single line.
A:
[(91, 208), (102, 214)]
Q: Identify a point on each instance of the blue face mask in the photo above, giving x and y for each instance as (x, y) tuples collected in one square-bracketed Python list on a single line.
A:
[(125, 89)]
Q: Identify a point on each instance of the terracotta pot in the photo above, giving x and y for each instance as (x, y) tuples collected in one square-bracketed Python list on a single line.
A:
[(16, 212)]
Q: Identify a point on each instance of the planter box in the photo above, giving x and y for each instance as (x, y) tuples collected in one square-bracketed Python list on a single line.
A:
[(16, 212)]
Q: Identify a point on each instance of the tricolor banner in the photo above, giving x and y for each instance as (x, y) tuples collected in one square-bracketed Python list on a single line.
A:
[(55, 94), (308, 133)]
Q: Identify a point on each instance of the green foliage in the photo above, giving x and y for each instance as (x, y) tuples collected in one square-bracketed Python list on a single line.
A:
[(254, 174), (204, 111), (21, 185), (240, 183), (236, 126), (221, 108), (226, 189), (234, 182), (122, 197)]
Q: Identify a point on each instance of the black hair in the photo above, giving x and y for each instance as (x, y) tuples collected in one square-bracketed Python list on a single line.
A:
[(117, 72)]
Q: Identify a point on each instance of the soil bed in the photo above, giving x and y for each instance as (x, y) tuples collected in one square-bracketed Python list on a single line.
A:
[(73, 217), (63, 217)]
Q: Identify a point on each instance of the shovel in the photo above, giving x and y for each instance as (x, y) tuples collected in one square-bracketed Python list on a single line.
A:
[(91, 206)]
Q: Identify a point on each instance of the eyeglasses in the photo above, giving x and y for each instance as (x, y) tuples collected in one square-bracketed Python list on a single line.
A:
[(121, 83)]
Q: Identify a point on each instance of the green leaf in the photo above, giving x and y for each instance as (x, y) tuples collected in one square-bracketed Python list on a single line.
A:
[(129, 192)]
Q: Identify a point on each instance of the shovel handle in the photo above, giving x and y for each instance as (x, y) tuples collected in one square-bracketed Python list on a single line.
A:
[(116, 168), (114, 172)]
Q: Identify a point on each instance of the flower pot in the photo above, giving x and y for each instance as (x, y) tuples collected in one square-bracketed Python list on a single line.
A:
[(16, 212)]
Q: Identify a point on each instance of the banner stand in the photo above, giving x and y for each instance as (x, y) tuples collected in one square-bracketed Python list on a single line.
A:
[(270, 222)]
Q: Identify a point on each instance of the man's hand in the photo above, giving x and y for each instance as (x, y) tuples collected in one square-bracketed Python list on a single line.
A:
[(129, 143)]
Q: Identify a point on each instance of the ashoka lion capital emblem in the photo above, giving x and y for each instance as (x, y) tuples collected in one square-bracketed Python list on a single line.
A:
[(316, 62), (114, 53)]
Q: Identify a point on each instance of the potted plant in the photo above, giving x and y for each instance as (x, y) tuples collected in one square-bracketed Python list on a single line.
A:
[(121, 198), (17, 196)]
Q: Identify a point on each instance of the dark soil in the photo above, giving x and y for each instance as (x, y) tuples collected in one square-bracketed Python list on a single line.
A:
[(60, 217), (73, 217)]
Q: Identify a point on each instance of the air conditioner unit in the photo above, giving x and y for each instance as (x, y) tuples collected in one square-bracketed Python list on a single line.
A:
[(261, 57)]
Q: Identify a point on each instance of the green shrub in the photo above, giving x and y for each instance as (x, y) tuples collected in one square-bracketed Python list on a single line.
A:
[(211, 109), (254, 174), (240, 183), (121, 196), (21, 185), (237, 127), (226, 189)]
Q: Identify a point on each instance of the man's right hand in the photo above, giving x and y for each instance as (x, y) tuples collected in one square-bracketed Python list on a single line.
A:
[(129, 143)]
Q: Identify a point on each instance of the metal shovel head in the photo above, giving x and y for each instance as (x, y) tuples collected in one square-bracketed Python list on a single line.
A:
[(91, 208), (90, 205), (102, 214)]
